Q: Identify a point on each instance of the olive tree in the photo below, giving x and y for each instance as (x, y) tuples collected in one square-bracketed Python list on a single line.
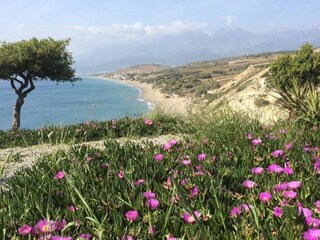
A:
[(23, 62)]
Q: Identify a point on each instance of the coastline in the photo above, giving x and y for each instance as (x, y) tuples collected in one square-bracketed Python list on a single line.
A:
[(167, 103)]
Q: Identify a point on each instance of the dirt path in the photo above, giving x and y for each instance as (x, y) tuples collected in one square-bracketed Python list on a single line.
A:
[(14, 159)]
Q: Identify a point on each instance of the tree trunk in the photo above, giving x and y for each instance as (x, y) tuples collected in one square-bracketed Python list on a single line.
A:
[(17, 113)]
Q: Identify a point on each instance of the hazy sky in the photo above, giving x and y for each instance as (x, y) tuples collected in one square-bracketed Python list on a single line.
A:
[(92, 23)]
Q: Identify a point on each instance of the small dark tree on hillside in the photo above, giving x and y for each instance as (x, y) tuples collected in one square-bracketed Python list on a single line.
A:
[(23, 62)]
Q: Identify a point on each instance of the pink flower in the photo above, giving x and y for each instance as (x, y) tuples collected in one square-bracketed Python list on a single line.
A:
[(288, 146), (277, 211), (121, 174), (194, 192), (290, 194), (249, 136), (89, 158), (138, 182), (72, 208), (171, 237), (201, 157), (229, 155), (152, 230), (312, 234), (271, 136), (147, 122), (132, 215), (245, 207), (59, 175), (293, 185), (60, 238), (312, 222), (127, 237), (105, 165), (172, 142), (190, 218), (265, 197), (283, 131), (256, 142), (280, 187), (305, 211), (184, 181), (288, 170), (152, 203), (34, 230), (59, 225), (158, 157), (44, 226), (186, 162), (235, 211), (85, 236), (248, 184), (167, 146), (275, 168), (24, 230), (149, 195), (277, 153), (317, 203), (257, 170), (284, 203)]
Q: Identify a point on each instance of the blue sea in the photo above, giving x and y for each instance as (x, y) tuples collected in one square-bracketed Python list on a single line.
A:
[(62, 104)]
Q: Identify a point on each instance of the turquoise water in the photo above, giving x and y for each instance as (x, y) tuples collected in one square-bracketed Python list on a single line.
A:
[(62, 104)]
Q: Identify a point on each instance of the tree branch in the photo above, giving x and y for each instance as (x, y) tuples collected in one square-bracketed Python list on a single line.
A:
[(14, 86), (32, 87), (17, 80)]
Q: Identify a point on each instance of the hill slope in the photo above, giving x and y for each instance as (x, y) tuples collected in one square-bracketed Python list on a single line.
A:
[(240, 81)]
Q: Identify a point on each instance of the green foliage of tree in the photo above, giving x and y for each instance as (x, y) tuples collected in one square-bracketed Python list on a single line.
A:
[(295, 78), (303, 66), (23, 62)]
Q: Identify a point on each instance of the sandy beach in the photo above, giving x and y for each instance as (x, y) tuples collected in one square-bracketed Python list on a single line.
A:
[(163, 101)]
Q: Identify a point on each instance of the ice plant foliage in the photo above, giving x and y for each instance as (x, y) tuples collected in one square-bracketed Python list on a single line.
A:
[(242, 188)]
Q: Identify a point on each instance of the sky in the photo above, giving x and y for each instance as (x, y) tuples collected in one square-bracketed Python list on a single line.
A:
[(93, 23)]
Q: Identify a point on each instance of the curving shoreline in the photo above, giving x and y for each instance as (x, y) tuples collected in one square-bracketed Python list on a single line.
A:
[(155, 97)]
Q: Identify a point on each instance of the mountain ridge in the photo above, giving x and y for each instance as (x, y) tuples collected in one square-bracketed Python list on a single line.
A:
[(179, 49)]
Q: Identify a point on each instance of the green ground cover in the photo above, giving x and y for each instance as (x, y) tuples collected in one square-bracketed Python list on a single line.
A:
[(231, 178)]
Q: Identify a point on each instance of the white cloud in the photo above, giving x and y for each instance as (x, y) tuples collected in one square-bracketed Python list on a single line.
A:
[(139, 29), (174, 28)]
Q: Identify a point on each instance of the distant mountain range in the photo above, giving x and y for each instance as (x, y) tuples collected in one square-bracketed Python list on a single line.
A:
[(189, 47)]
